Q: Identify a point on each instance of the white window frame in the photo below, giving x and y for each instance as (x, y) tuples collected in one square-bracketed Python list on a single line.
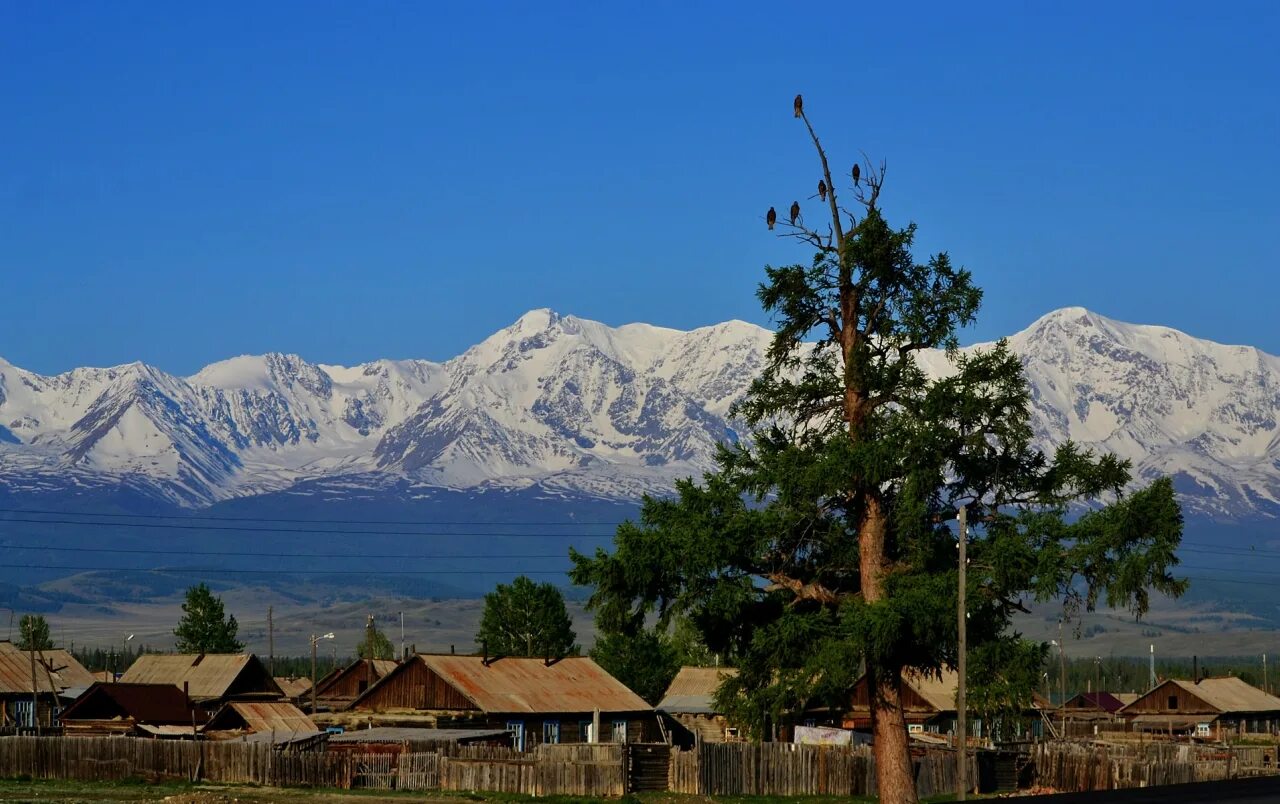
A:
[(550, 732), (619, 731), (516, 727)]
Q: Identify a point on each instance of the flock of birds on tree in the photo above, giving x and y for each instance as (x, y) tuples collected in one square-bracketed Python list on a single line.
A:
[(771, 217)]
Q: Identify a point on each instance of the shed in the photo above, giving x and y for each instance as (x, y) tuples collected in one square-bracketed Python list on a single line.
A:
[(238, 718), (295, 689), (690, 702), (1210, 707), (207, 677), (538, 701), (132, 709), (338, 689)]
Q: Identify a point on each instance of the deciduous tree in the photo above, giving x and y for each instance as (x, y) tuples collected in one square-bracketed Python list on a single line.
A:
[(33, 633), (822, 543), (524, 618)]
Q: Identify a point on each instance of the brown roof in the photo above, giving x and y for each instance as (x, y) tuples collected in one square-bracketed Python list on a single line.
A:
[(693, 690), (380, 667), (145, 703), (58, 665), (293, 687), (938, 691), (256, 717), (207, 676), (510, 685), (1226, 695)]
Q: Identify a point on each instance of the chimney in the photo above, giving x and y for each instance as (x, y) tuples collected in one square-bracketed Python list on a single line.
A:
[(186, 692), (1195, 669)]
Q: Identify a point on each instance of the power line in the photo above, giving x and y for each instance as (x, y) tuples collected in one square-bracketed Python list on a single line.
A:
[(197, 570), (303, 531), (234, 553), (286, 520)]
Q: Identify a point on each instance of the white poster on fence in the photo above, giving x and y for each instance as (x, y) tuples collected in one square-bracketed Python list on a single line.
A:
[(822, 735)]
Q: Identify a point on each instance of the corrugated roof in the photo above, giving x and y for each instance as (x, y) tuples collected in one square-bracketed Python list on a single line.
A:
[(693, 690), (293, 687), (1231, 695), (277, 716), (56, 665), (381, 667), (145, 703), (392, 734), (207, 675), (509, 685), (938, 691)]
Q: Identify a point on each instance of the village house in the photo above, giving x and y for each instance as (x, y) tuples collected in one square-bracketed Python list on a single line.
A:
[(1214, 708), (1095, 707), (209, 678), (341, 687), (59, 678), (689, 706), (296, 689), (538, 701), (136, 710), (929, 703)]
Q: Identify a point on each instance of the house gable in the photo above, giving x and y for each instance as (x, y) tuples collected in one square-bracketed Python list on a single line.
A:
[(1170, 698), (413, 685)]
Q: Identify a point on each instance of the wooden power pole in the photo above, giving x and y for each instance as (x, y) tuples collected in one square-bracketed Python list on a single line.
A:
[(271, 644), (962, 732)]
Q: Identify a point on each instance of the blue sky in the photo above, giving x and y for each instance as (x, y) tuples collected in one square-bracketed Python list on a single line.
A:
[(185, 182)]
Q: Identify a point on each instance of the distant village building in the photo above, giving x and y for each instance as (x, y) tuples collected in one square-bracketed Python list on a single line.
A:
[(279, 721), (689, 706), (341, 687), (137, 710), (929, 703), (538, 701), (209, 678), (1214, 708), (297, 690), (59, 679)]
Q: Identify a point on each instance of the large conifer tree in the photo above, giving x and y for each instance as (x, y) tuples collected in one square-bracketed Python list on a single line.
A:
[(823, 543)]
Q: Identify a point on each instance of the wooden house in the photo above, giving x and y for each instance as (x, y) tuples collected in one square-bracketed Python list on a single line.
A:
[(537, 701), (209, 678), (929, 703), (341, 687), (138, 710), (1214, 708), (59, 678), (297, 690), (1096, 706), (689, 706)]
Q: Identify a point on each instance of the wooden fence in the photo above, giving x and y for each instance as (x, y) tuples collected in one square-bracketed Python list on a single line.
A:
[(786, 769), (1081, 767)]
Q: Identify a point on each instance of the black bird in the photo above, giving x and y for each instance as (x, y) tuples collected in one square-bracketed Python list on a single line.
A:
[(771, 217), (795, 212), (799, 105), (822, 189), (857, 175)]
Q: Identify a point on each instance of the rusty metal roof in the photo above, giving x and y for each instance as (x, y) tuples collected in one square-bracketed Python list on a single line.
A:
[(511, 685), (254, 717), (207, 676), (380, 667), (155, 704), (293, 687), (56, 665)]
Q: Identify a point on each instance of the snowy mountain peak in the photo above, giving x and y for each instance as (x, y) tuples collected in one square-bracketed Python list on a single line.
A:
[(573, 405)]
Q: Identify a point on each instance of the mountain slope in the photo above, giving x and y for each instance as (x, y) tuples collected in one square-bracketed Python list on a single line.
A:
[(573, 407)]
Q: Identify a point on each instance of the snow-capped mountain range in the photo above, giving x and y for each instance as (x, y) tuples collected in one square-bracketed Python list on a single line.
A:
[(574, 407)]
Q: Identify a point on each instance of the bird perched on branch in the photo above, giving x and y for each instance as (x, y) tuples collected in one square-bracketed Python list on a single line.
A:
[(799, 105), (771, 217), (822, 190), (795, 212), (857, 175)]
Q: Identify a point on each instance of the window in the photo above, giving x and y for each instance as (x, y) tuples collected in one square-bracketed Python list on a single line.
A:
[(810, 722), (516, 727), (619, 731), (1202, 729), (584, 731), (916, 728), (23, 714), (1173, 702), (551, 732), (363, 685)]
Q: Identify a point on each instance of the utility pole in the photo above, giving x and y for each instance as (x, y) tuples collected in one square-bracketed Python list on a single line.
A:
[(402, 636), (1062, 678), (962, 733), (271, 644), (1097, 680), (1265, 686), (35, 695), (314, 640)]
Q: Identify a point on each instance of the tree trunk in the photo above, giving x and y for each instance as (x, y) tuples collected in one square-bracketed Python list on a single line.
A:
[(895, 776)]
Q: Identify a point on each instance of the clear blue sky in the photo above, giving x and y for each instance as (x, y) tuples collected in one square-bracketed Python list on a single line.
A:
[(184, 182)]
